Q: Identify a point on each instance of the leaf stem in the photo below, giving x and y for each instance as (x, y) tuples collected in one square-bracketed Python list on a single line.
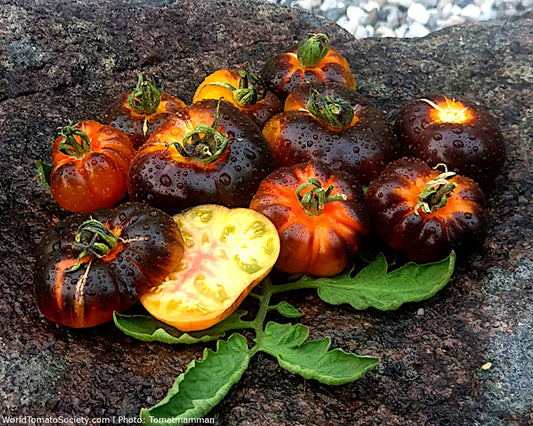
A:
[(303, 283)]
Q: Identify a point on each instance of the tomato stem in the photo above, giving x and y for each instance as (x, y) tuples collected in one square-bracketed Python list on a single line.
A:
[(250, 91), (436, 192), (313, 50), (335, 112), (314, 200), (69, 144), (204, 143), (93, 239), (146, 97)]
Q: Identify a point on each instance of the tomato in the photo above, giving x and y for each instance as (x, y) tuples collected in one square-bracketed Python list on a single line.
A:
[(208, 153), (424, 213), (243, 90), (331, 123), (319, 215), (89, 266), (140, 112), (227, 252), (90, 166), (313, 61), (461, 134)]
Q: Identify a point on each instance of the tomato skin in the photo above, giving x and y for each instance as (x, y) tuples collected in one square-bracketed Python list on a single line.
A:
[(363, 148), (260, 112), (319, 245), (99, 178), (283, 73), (123, 117), (162, 177), (153, 247), (474, 148), (227, 252), (391, 200)]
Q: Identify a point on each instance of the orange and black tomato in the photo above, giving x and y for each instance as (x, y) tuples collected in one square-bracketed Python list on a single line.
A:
[(461, 134), (243, 90), (89, 266), (313, 61), (330, 123), (425, 213), (319, 214), (90, 166), (208, 153), (140, 112)]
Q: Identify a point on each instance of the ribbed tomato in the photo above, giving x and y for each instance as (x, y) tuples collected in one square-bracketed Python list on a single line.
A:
[(89, 266), (208, 153), (461, 134), (140, 112), (319, 215), (227, 252), (423, 212), (313, 61), (90, 166), (243, 90), (330, 123)]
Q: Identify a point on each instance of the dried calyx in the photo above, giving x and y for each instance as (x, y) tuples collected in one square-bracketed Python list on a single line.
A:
[(333, 111), (436, 192), (314, 200), (146, 97)]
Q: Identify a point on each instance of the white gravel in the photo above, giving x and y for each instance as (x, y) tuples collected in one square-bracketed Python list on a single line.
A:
[(407, 18)]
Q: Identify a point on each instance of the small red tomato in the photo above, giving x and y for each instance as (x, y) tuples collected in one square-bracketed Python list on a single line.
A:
[(208, 153), (89, 266), (460, 134), (90, 166), (243, 90), (330, 123), (425, 213), (142, 111), (313, 61), (319, 215)]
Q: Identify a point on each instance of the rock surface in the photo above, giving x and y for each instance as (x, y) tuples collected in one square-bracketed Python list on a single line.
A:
[(63, 61)]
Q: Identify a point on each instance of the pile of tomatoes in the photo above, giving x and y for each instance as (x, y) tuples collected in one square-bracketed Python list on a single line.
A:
[(258, 172)]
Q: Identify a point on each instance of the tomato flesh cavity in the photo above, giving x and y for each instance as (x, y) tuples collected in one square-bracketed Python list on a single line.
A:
[(227, 252)]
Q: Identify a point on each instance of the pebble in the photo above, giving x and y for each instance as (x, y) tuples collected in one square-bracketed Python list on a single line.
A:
[(407, 18)]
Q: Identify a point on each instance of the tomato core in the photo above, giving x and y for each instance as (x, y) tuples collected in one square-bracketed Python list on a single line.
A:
[(449, 111)]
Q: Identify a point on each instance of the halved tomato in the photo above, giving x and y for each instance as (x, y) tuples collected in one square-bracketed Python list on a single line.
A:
[(227, 252)]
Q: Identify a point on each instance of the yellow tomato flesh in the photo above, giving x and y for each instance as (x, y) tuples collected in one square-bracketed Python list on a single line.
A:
[(227, 252)]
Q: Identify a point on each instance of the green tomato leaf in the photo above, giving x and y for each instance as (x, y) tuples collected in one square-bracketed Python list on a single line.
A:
[(374, 287), (149, 329), (203, 385), (44, 173), (287, 310), (312, 359)]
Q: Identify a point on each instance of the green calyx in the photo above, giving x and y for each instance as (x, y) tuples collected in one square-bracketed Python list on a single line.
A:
[(313, 50), (204, 143), (436, 192), (93, 239), (70, 146), (333, 111), (250, 91), (146, 97), (314, 200)]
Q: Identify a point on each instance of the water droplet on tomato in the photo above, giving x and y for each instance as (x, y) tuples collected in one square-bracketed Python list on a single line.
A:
[(468, 215), (457, 130), (458, 144), (437, 136), (225, 179), (248, 153), (416, 130), (165, 180)]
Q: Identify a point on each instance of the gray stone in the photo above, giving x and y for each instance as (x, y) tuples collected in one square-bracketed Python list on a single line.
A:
[(64, 60)]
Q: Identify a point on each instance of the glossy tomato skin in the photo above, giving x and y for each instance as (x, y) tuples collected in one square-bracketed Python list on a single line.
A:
[(162, 177), (150, 246), (283, 73), (320, 245), (363, 148), (474, 148), (227, 252), (139, 126), (260, 112), (99, 178), (391, 200)]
